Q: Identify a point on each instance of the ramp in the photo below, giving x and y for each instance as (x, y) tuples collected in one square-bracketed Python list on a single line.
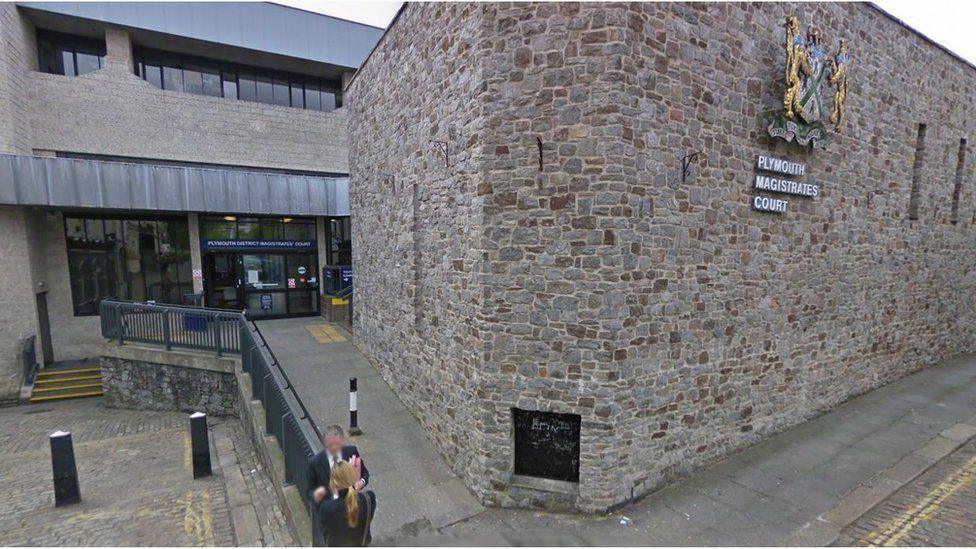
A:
[(415, 489)]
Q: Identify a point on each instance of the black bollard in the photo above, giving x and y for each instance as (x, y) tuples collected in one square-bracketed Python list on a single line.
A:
[(353, 412), (200, 445), (66, 489)]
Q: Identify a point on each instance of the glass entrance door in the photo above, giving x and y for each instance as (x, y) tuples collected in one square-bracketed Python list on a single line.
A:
[(224, 281), (264, 284)]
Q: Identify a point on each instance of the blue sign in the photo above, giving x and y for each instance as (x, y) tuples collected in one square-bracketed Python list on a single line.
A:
[(344, 278), (266, 302), (208, 244)]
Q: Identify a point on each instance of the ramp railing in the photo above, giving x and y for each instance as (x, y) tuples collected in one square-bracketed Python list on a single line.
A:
[(225, 331)]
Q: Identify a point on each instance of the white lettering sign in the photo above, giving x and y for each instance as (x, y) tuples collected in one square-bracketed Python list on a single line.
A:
[(767, 183), (767, 204), (778, 165)]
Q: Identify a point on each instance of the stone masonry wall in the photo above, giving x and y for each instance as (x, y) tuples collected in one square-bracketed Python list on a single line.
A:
[(418, 227), (142, 385), (677, 321)]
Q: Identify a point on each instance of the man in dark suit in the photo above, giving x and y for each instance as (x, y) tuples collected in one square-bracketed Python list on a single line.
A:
[(320, 467)]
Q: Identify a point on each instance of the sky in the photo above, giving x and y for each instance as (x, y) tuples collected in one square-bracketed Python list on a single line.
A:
[(948, 22)]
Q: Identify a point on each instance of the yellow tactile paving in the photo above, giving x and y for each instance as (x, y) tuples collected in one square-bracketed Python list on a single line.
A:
[(325, 333)]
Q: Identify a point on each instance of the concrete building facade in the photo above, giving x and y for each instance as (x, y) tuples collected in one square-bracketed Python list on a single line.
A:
[(555, 217), (133, 126)]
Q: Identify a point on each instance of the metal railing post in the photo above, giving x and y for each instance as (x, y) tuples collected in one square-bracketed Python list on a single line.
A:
[(218, 342), (167, 337), (118, 323)]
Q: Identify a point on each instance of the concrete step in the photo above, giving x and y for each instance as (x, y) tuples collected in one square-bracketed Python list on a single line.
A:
[(56, 388), (47, 381), (61, 373), (65, 396)]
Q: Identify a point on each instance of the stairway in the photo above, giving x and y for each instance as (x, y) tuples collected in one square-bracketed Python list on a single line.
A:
[(64, 383)]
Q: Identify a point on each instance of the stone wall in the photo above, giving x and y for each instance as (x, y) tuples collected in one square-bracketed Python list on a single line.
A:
[(678, 322), (144, 378), (417, 227)]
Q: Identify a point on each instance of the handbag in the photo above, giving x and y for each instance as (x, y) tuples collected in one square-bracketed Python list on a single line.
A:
[(369, 517)]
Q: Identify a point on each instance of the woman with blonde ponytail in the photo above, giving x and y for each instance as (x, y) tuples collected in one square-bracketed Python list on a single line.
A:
[(347, 516)]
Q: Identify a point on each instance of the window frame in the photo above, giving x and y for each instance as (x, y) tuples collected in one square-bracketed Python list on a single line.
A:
[(294, 85), (122, 243)]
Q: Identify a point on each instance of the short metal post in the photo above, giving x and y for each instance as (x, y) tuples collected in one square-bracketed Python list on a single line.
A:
[(200, 445), (66, 489), (353, 412)]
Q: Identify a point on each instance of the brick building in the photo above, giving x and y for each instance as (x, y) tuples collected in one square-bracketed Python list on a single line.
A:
[(540, 250), (149, 151)]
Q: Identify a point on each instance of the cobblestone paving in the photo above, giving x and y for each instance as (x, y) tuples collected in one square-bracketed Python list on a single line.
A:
[(936, 509), (135, 476)]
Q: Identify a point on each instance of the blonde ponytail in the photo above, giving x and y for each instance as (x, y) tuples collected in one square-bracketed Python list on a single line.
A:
[(343, 477), (352, 508)]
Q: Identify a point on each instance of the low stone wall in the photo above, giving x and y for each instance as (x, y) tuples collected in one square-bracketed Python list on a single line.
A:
[(144, 378)]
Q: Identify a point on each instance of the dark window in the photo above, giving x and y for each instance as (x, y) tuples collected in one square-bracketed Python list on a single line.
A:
[(329, 101), (339, 241), (192, 81), (172, 78), (297, 96), (138, 259), (215, 78), (281, 94), (265, 228), (68, 54), (247, 87), (248, 227), (230, 84), (152, 73), (265, 90), (313, 99), (270, 228), (913, 198), (211, 83), (957, 188), (547, 444), (298, 229)]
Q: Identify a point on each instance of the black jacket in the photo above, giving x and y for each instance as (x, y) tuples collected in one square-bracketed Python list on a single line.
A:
[(338, 533), (319, 471)]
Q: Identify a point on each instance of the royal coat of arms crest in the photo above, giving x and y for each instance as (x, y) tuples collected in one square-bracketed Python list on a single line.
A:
[(809, 69)]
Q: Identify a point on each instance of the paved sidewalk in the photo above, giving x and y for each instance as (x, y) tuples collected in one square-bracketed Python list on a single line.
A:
[(136, 481), (801, 487), (415, 488)]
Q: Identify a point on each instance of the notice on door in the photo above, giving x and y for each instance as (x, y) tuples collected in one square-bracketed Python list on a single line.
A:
[(291, 283), (267, 302), (253, 276)]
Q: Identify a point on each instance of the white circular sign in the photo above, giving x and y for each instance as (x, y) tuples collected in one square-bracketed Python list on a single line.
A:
[(302, 270)]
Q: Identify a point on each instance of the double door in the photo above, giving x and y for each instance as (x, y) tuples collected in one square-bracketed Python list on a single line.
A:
[(265, 284)]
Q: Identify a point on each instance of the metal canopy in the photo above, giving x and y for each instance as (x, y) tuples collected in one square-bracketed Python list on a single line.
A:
[(74, 183)]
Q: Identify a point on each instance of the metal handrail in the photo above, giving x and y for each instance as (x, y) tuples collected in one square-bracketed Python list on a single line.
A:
[(307, 415), (285, 422)]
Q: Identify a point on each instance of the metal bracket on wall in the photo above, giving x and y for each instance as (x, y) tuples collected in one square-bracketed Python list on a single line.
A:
[(538, 141), (686, 161), (446, 150)]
